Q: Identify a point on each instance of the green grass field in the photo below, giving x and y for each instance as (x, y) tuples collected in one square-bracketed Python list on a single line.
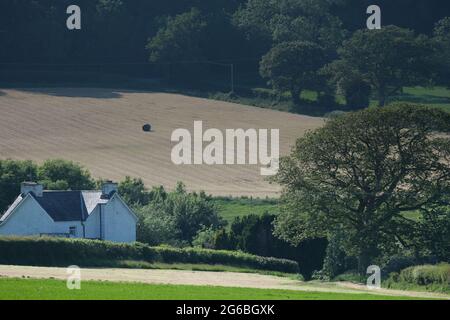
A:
[(232, 208), (431, 96), (435, 97), (33, 289)]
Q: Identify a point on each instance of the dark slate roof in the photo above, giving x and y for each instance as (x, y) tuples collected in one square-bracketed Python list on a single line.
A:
[(63, 205)]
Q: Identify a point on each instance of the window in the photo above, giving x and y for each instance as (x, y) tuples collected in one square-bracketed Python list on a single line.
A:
[(73, 231)]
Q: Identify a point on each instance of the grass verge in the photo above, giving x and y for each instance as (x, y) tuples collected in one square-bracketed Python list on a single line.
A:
[(34, 289)]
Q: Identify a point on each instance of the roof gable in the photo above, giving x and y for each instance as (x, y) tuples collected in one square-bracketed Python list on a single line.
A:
[(11, 208), (117, 197), (20, 200)]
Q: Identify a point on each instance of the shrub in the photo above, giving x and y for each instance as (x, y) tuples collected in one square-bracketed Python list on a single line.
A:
[(178, 215), (397, 263), (336, 261), (320, 275), (254, 234), (234, 258), (205, 238), (357, 94), (82, 252), (427, 274), (423, 277), (350, 276), (224, 240)]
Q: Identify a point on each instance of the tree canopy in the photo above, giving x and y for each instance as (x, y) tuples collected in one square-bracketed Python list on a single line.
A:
[(388, 59), (293, 67), (176, 217), (277, 21), (53, 174), (361, 172), (64, 175), (180, 39)]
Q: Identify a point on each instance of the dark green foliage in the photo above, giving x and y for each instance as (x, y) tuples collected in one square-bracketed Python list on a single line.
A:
[(156, 226), (53, 174), (176, 217), (205, 238), (361, 172), (64, 175), (64, 252), (254, 234), (427, 274), (272, 22), (133, 192), (413, 14), (116, 32), (12, 174), (442, 40), (293, 67), (336, 261), (387, 59), (397, 263), (179, 39), (223, 240), (357, 94), (434, 232), (350, 83)]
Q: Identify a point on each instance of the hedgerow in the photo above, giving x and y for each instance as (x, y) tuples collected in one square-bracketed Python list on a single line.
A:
[(427, 274), (45, 251)]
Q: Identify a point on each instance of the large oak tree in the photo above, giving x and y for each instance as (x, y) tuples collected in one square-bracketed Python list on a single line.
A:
[(361, 172)]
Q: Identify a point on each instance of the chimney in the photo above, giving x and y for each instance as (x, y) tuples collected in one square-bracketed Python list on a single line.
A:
[(108, 189), (31, 187)]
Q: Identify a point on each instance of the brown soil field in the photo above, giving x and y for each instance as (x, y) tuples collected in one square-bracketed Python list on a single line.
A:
[(102, 130)]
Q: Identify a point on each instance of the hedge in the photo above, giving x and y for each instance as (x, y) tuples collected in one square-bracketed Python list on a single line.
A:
[(427, 274), (46, 251)]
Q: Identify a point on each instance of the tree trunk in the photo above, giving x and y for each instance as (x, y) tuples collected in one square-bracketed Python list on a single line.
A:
[(365, 259)]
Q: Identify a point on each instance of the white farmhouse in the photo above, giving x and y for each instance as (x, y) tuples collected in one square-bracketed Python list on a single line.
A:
[(75, 214)]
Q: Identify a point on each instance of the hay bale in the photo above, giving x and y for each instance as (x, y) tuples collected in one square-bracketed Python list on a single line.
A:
[(147, 127)]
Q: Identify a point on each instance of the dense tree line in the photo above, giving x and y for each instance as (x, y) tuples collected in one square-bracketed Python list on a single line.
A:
[(53, 174), (292, 45), (117, 30)]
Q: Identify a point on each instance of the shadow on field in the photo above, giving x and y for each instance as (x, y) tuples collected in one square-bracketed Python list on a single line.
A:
[(96, 93)]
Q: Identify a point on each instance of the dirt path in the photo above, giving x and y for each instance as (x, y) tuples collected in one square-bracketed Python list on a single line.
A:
[(225, 279)]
